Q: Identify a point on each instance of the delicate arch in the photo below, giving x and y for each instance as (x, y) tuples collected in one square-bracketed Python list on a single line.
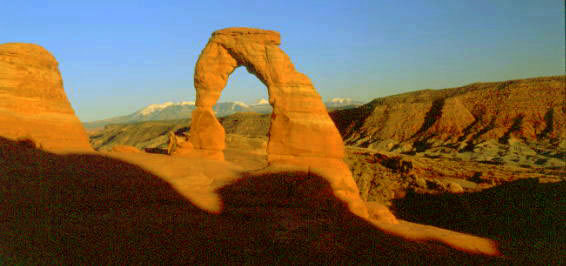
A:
[(301, 133), (300, 125)]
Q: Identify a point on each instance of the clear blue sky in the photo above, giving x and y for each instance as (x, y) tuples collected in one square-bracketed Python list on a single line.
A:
[(118, 56)]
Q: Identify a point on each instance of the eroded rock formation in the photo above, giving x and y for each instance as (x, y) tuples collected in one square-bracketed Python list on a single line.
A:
[(301, 133), (300, 122), (33, 104)]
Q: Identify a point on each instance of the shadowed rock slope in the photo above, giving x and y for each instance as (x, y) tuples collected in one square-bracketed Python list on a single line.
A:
[(93, 209), (524, 216)]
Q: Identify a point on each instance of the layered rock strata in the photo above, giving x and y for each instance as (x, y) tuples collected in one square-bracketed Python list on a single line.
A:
[(531, 110), (301, 133), (33, 104)]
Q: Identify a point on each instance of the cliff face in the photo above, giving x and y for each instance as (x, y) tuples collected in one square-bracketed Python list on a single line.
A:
[(33, 104), (528, 110)]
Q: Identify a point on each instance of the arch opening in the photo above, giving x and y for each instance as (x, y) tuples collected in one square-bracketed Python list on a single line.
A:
[(247, 129), (243, 86)]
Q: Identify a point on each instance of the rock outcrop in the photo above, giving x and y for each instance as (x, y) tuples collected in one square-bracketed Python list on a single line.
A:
[(33, 104), (301, 132)]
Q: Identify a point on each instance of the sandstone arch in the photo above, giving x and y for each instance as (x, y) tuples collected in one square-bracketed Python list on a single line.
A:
[(302, 133), (300, 123)]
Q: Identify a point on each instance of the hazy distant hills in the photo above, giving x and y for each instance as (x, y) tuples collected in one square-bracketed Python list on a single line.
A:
[(183, 110)]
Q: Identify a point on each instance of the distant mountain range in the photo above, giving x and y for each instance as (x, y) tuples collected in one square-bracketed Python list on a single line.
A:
[(183, 110)]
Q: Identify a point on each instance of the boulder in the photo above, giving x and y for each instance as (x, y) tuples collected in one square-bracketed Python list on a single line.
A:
[(453, 187), (379, 212), (126, 149), (33, 103)]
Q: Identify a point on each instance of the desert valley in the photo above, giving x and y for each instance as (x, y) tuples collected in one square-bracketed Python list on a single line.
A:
[(282, 132), (466, 175)]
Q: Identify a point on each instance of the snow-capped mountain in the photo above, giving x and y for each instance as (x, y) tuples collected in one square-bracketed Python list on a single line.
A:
[(157, 107), (184, 109), (262, 106), (261, 102), (170, 111), (228, 108), (340, 103)]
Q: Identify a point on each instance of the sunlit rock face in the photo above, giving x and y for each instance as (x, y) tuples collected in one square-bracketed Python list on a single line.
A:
[(301, 133), (33, 104), (300, 123)]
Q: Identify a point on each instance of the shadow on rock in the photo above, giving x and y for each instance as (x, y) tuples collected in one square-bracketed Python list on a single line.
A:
[(90, 209), (525, 216)]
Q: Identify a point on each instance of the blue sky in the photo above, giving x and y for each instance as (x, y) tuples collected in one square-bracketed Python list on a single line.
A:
[(118, 56)]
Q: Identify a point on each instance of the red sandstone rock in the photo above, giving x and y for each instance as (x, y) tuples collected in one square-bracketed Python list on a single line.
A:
[(300, 123), (33, 103), (126, 149), (379, 212), (301, 133)]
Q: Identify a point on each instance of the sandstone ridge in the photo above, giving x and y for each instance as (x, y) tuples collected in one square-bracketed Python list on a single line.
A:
[(529, 110), (33, 103)]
